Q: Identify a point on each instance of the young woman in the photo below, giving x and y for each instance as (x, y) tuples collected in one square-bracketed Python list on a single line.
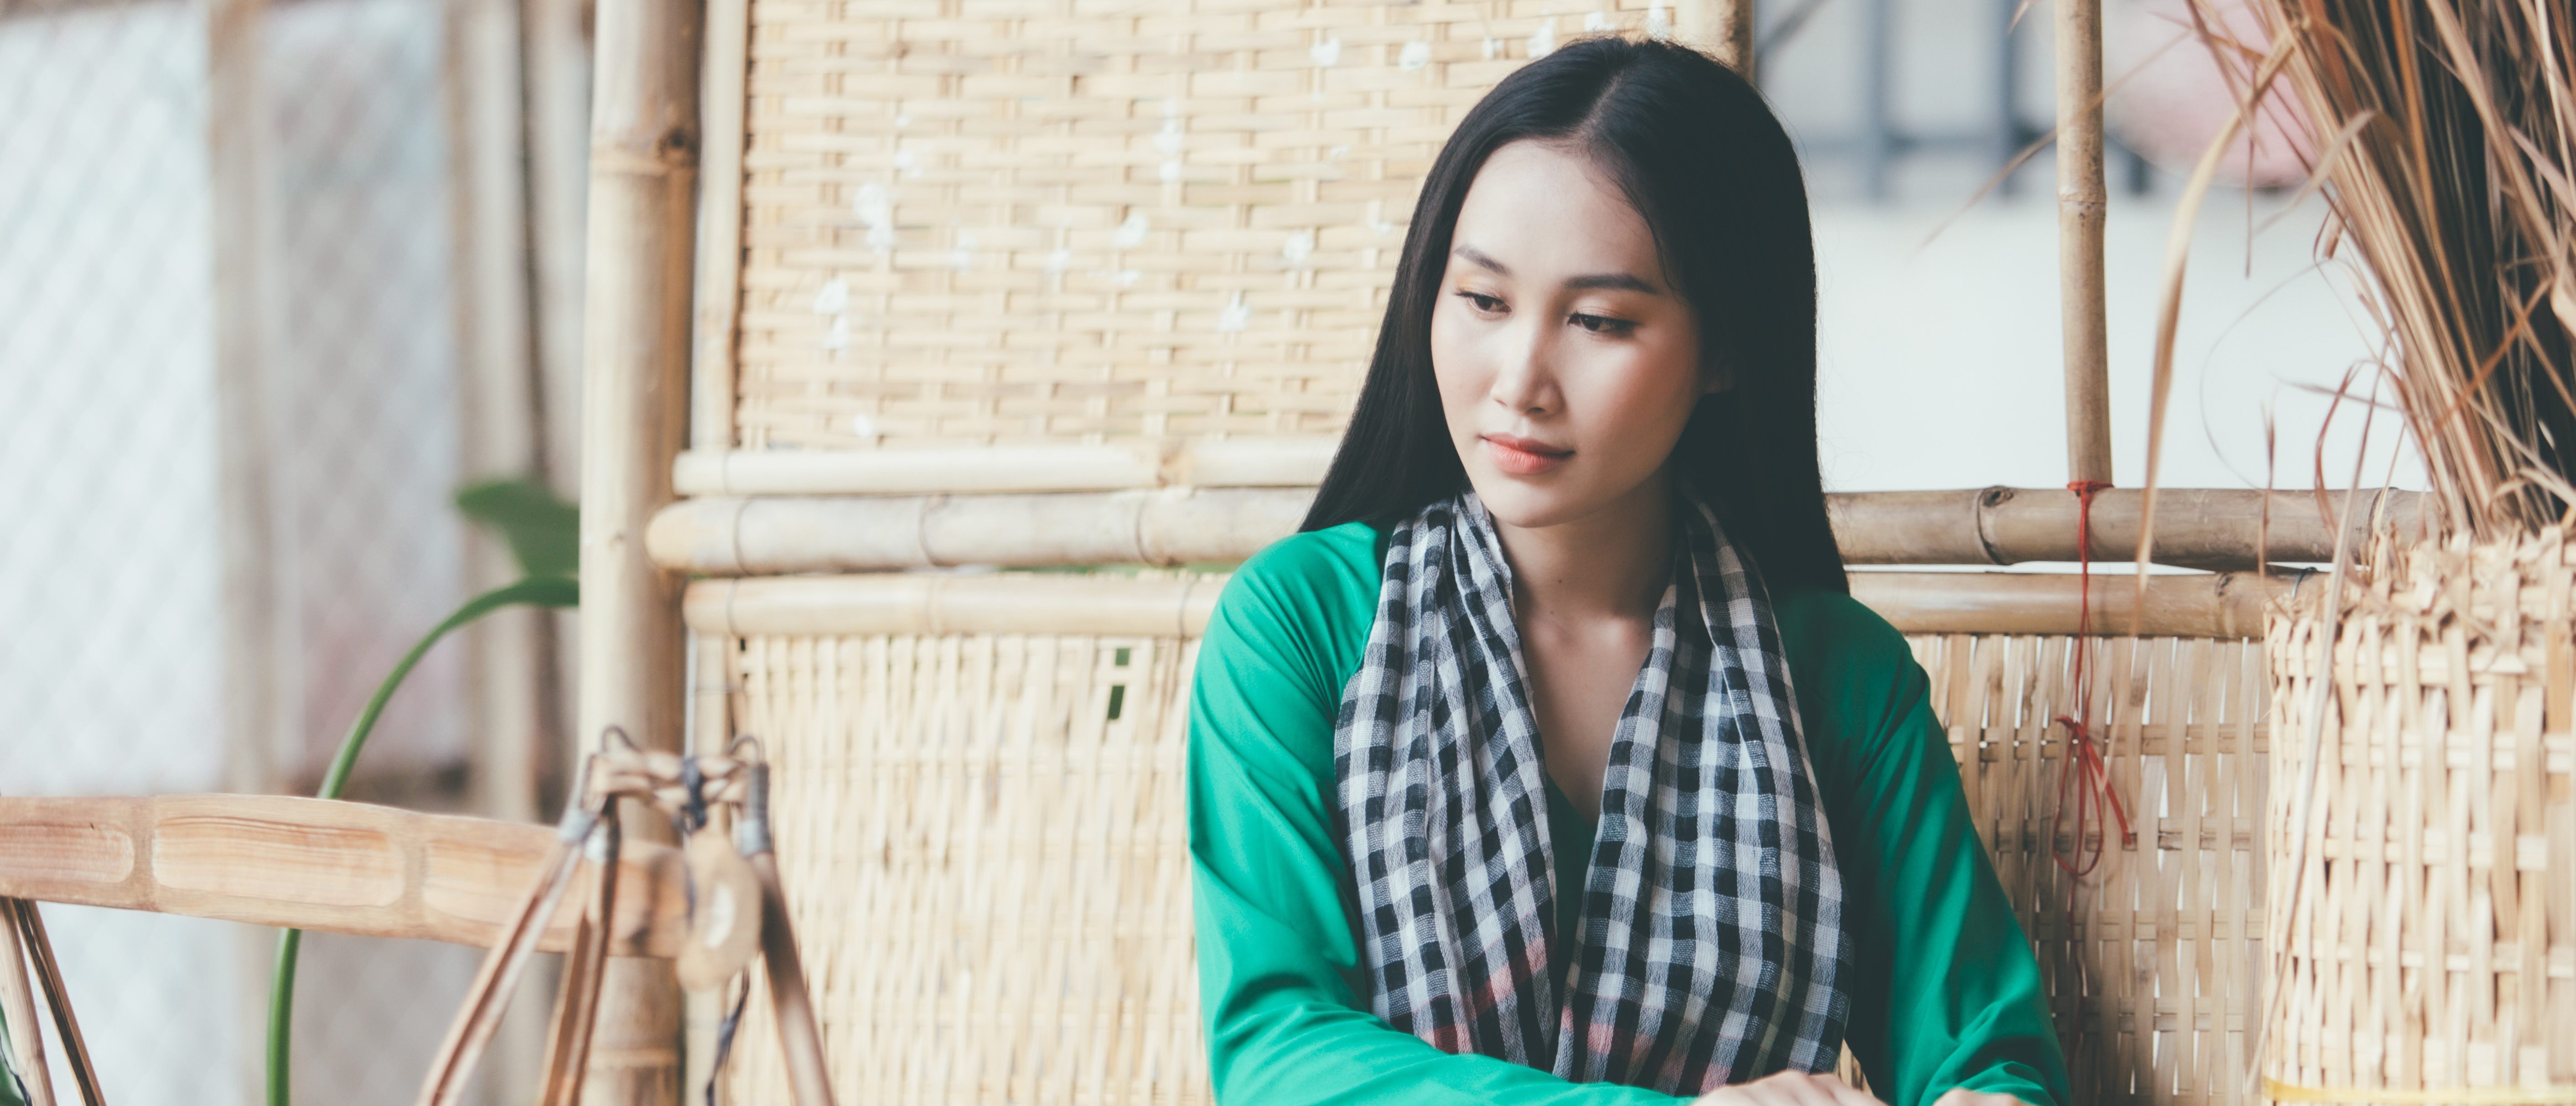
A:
[(1552, 762)]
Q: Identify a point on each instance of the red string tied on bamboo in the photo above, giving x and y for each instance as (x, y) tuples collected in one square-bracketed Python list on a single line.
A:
[(2085, 782)]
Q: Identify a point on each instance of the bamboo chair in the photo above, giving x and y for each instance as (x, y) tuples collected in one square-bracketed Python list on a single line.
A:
[(1025, 285), (331, 866), (351, 868)]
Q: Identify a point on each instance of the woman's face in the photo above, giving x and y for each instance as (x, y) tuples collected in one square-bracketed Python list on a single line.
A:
[(1567, 361)]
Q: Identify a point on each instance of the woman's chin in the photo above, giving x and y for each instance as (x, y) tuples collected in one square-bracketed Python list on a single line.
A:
[(1530, 502)]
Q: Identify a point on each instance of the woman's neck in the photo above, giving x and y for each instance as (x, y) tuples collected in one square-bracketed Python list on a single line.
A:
[(1612, 563)]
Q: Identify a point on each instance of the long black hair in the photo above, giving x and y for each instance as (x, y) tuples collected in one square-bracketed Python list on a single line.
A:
[(1699, 154)]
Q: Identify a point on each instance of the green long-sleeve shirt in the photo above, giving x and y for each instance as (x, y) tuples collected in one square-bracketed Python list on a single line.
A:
[(1946, 994)]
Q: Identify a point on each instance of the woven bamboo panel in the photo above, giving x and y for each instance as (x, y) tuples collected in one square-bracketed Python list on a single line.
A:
[(2432, 944), (990, 879), (987, 866), (971, 222), (2155, 960)]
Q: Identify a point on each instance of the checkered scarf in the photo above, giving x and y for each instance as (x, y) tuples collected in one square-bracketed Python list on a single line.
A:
[(1710, 947)]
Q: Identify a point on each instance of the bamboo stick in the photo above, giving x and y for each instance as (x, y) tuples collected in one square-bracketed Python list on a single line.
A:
[(1231, 462), (26, 1041), (2220, 529), (510, 653), (259, 651), (2227, 605), (921, 603), (317, 864), (762, 536), (30, 924), (710, 728), (2081, 201), (719, 285), (1994, 526), (643, 178), (260, 738), (1724, 28)]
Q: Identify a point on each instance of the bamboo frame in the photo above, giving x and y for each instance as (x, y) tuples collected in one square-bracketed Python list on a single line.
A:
[(512, 654), (1220, 463), (337, 867), (258, 723), (719, 260), (643, 177), (2228, 605), (26, 1042), (2222, 530), (2081, 207)]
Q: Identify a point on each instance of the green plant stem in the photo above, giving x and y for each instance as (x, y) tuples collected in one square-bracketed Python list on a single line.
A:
[(543, 591)]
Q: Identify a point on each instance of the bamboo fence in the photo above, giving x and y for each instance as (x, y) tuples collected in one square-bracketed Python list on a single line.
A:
[(1031, 286), (985, 828)]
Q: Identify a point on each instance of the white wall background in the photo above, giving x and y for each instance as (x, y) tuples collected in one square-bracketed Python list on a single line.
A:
[(1940, 357)]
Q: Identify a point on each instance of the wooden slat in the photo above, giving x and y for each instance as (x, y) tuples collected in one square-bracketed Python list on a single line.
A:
[(1174, 525), (2225, 606), (337, 867)]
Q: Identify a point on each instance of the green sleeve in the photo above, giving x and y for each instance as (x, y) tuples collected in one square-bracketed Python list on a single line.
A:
[(1948, 994), (1284, 1023)]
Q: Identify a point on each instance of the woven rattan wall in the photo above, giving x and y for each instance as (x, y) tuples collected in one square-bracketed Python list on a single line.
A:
[(976, 222), (2432, 946), (988, 864)]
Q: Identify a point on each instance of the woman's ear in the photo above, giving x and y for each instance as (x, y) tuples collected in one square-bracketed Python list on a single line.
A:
[(1716, 375)]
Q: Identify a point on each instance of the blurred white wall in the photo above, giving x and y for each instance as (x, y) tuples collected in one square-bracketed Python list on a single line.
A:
[(108, 680), (1939, 357), (111, 650)]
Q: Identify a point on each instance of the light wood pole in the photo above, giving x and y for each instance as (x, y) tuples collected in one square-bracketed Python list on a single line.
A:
[(2081, 201), (1721, 27), (260, 655), (642, 215)]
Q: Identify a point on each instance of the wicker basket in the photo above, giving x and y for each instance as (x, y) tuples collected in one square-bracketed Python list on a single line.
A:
[(2430, 952)]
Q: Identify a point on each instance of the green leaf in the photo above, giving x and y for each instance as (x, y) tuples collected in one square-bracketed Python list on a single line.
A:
[(544, 591), (544, 532), (12, 1091)]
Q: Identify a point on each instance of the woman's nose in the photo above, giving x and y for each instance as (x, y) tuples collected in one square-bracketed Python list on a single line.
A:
[(1524, 381)]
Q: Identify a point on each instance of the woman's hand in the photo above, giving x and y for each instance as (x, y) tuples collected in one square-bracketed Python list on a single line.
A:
[(1962, 1096), (1796, 1088)]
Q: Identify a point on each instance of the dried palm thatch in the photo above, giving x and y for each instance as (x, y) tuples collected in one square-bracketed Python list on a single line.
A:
[(2449, 167)]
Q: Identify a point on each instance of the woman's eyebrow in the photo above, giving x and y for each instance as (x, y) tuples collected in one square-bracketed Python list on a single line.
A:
[(1624, 282), (1621, 281)]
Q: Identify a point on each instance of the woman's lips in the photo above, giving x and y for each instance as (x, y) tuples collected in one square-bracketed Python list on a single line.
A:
[(1524, 456)]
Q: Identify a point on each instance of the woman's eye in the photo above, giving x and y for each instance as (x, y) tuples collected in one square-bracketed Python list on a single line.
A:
[(1604, 324), (1481, 302)]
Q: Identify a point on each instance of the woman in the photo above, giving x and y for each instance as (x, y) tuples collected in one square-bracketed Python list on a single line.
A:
[(1553, 762)]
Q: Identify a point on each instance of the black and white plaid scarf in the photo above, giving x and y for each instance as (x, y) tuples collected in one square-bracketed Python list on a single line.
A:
[(1710, 947)]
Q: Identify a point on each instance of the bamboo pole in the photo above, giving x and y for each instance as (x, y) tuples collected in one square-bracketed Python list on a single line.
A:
[(2222, 605), (511, 653), (724, 105), (1231, 462), (260, 739), (1994, 526), (555, 55), (643, 176), (26, 1041), (262, 736), (316, 864), (2081, 201), (1724, 28), (710, 728)]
